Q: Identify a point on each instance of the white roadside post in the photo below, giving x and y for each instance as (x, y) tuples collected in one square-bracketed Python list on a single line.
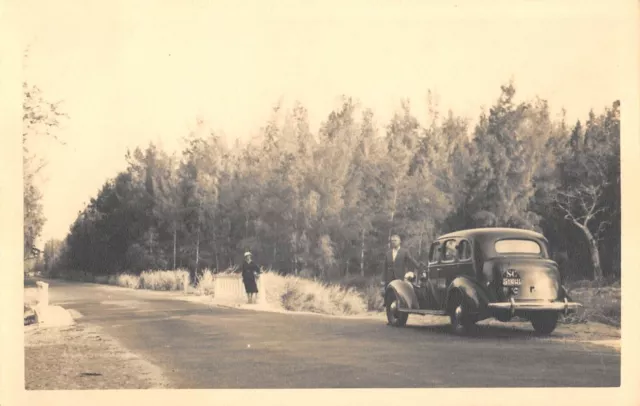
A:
[(43, 294)]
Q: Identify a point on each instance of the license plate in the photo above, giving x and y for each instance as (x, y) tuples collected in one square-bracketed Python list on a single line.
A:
[(511, 282)]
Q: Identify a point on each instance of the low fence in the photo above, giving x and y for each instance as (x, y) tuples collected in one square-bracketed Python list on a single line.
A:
[(230, 289)]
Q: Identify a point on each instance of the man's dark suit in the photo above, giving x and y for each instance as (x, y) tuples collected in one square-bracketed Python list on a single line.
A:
[(396, 269)]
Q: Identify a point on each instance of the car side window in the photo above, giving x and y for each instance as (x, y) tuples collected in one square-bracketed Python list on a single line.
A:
[(434, 253), (464, 250), (449, 254)]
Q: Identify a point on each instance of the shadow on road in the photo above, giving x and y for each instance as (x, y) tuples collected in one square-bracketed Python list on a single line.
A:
[(482, 331)]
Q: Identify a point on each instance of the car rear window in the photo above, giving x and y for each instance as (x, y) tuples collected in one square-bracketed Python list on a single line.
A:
[(517, 246)]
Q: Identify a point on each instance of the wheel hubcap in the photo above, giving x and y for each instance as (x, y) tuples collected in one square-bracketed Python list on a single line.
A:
[(458, 312), (394, 307)]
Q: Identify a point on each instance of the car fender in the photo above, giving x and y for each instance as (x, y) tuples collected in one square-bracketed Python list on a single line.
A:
[(476, 296), (405, 292)]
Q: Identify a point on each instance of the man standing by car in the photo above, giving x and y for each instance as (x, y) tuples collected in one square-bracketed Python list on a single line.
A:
[(395, 262)]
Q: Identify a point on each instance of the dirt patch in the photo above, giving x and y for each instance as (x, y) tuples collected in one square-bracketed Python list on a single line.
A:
[(83, 357)]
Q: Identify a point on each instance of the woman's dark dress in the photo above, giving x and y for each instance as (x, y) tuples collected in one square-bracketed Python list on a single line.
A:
[(249, 272)]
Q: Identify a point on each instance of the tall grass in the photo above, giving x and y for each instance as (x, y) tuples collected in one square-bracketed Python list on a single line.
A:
[(124, 280), (601, 302), (205, 283), (300, 294), (368, 287), (164, 280)]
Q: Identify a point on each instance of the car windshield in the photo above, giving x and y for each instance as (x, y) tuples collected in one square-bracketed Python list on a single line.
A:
[(514, 246)]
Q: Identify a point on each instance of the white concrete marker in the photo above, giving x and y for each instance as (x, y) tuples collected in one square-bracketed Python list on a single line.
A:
[(43, 293)]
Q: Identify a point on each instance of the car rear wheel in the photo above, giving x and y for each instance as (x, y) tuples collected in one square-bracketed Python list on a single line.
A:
[(395, 317), (461, 321), (544, 323)]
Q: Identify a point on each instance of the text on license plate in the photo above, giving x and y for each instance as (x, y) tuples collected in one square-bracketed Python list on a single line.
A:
[(511, 282)]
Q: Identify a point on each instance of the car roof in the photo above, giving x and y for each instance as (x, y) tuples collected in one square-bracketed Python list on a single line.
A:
[(493, 232)]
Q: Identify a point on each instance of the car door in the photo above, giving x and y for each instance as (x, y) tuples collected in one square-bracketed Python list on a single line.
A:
[(448, 268), (464, 259), (433, 272)]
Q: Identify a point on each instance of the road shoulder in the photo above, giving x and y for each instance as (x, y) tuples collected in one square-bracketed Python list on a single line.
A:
[(82, 356)]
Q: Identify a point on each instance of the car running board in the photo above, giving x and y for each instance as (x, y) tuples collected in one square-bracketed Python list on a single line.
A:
[(424, 312)]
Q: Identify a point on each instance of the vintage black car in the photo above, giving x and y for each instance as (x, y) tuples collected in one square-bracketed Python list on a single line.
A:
[(481, 273)]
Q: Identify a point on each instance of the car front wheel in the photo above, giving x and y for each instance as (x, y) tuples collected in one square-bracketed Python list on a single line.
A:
[(544, 323), (461, 321), (395, 317)]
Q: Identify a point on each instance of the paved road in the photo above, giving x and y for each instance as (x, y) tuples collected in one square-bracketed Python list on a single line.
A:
[(203, 347)]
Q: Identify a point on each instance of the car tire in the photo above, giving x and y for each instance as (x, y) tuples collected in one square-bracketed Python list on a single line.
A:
[(458, 309), (544, 323), (395, 317)]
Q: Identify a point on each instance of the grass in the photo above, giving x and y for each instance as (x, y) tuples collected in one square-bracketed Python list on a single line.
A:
[(125, 281), (298, 294), (295, 293), (368, 287), (601, 302), (205, 283), (307, 295), (151, 279), (164, 280)]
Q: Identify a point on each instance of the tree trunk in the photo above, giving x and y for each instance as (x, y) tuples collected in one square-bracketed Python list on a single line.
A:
[(215, 250), (393, 214), (295, 248), (362, 255), (174, 244), (593, 251), (229, 251), (197, 249), (275, 253)]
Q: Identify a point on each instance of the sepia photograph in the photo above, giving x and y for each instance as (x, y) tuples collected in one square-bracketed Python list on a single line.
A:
[(357, 195)]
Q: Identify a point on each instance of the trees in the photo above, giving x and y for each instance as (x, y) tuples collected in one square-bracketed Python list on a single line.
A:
[(326, 203), (507, 155), (589, 192), (39, 120)]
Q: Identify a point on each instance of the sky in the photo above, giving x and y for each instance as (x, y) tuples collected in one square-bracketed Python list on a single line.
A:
[(133, 72)]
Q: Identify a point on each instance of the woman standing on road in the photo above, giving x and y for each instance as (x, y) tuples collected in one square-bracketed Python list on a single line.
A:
[(250, 271)]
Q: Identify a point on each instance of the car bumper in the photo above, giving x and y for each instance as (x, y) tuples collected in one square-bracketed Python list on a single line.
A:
[(566, 307)]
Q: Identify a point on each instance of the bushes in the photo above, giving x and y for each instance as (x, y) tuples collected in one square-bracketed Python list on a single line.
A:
[(164, 280), (369, 288), (602, 304), (205, 283), (301, 294), (152, 280), (125, 281), (295, 293), (374, 299)]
